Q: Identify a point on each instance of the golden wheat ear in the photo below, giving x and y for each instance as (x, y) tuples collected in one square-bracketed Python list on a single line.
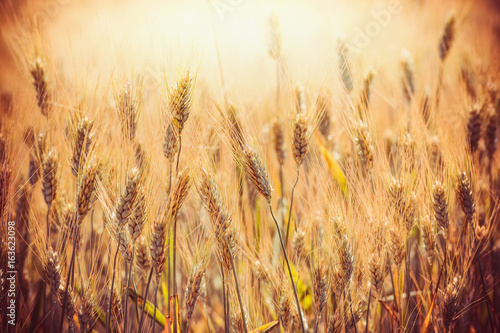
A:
[(181, 99), (53, 273), (126, 203), (138, 219), (279, 142), (170, 142), (67, 301), (256, 172), (447, 36), (39, 77), (87, 188), (157, 245), (440, 206), (193, 289), (301, 137), (428, 228), (128, 102), (49, 176), (365, 94), (274, 35), (142, 255), (320, 288), (344, 65), (86, 310), (465, 196), (364, 146), (407, 76), (474, 127), (284, 308), (491, 131), (81, 144), (450, 303), (376, 274)]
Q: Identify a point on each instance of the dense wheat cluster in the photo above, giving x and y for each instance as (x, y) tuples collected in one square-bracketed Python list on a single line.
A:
[(354, 187)]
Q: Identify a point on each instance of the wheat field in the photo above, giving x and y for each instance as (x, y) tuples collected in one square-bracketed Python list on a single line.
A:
[(249, 166)]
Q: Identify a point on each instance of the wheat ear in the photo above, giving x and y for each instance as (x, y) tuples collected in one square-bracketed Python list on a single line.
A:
[(39, 76)]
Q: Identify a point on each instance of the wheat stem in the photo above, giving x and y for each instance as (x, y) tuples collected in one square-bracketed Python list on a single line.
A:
[(352, 314), (237, 284), (281, 184), (178, 155), (169, 179), (70, 271), (483, 284), (126, 291), (368, 309), (224, 299), (144, 299), (392, 282), (48, 225), (290, 208), (156, 300), (169, 272), (288, 266), (110, 300), (91, 236), (174, 278)]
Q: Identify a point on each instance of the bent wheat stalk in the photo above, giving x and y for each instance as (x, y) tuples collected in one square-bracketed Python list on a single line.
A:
[(260, 180)]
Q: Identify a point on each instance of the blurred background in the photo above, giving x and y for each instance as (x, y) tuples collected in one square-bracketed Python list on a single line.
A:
[(154, 37)]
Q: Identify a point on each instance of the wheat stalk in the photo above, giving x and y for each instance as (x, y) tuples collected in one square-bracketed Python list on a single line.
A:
[(258, 176)]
